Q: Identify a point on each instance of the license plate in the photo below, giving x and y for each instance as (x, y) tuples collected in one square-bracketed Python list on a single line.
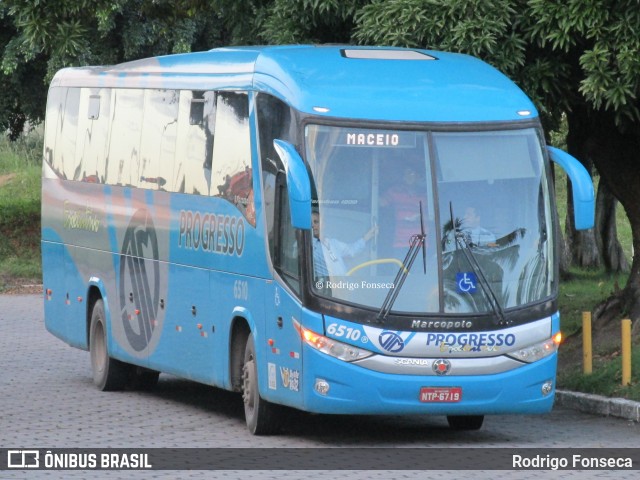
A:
[(440, 394)]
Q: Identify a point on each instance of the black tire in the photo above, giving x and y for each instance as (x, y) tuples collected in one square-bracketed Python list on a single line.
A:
[(108, 374), (141, 378), (262, 417), (465, 422)]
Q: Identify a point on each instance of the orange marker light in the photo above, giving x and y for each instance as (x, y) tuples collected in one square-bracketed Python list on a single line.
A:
[(309, 336), (557, 338)]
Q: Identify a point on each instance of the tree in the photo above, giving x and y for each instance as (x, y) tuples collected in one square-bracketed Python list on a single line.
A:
[(599, 42), (574, 56), (22, 94), (40, 37)]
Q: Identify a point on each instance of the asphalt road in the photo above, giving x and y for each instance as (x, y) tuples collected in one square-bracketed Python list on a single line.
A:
[(48, 401)]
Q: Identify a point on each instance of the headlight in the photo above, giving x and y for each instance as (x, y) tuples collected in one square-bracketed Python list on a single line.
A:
[(538, 351), (339, 350)]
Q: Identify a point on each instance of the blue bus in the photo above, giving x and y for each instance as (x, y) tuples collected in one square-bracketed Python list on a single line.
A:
[(336, 229)]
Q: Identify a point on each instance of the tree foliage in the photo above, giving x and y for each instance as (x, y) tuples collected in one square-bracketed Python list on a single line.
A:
[(577, 57), (559, 51), (87, 32), (599, 41), (39, 37), (477, 27)]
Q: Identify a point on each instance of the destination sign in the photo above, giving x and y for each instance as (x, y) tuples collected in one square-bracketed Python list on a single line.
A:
[(377, 138)]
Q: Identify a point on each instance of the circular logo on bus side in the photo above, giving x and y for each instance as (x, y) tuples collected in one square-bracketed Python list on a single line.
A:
[(139, 280)]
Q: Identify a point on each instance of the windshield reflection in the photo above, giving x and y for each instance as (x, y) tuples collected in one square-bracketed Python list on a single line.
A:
[(369, 187)]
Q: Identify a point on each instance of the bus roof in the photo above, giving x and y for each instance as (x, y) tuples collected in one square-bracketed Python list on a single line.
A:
[(373, 83)]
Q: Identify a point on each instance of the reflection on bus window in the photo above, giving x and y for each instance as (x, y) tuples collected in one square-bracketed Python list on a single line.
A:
[(94, 121), (55, 109), (159, 138), (275, 121), (372, 193), (232, 175), (483, 229), (65, 149), (194, 145), (123, 162)]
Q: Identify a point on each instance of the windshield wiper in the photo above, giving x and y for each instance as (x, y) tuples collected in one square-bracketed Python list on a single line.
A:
[(463, 244), (416, 242)]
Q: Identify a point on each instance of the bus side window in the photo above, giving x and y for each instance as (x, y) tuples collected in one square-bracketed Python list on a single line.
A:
[(55, 109), (269, 124), (123, 162), (67, 134), (192, 172), (83, 133), (231, 172), (286, 255), (158, 146), (276, 121), (94, 134)]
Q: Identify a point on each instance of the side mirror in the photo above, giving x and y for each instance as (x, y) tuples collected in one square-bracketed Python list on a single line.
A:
[(298, 184), (581, 185)]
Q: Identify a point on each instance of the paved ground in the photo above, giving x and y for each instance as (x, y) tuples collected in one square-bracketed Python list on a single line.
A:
[(48, 401)]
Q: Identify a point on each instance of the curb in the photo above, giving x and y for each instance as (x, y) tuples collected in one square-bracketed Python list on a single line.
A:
[(598, 405)]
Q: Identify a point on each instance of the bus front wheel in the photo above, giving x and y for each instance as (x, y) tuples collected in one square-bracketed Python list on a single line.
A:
[(465, 422), (141, 378), (261, 416), (109, 374)]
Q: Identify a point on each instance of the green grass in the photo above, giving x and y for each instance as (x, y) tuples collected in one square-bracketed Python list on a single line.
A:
[(585, 290), (20, 211), (582, 293), (606, 378)]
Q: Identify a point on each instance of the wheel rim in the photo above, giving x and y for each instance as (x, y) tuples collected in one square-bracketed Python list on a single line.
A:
[(99, 348), (248, 387)]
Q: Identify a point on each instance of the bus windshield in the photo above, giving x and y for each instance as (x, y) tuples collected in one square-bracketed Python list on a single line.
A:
[(481, 198)]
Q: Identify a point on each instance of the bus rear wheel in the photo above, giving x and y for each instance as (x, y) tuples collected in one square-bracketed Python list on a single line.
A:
[(465, 422), (261, 416), (109, 374)]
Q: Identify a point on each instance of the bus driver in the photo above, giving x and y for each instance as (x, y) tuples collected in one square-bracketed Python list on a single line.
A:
[(329, 253)]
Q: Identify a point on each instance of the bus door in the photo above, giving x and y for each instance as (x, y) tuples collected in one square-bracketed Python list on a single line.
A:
[(282, 341), (283, 345)]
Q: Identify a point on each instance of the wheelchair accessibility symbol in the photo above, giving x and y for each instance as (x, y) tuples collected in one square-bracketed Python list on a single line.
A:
[(467, 282)]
